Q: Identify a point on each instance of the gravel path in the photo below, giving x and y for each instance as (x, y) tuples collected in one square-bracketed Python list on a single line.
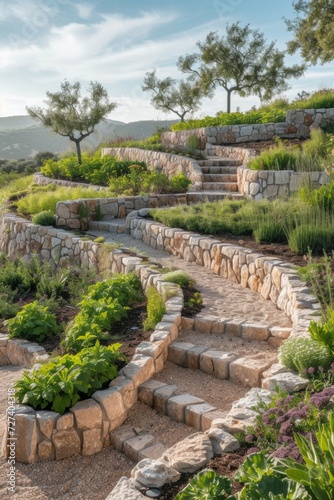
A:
[(220, 296)]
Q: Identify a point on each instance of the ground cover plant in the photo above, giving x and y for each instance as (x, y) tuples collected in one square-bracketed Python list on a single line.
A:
[(302, 226), (314, 155), (274, 111)]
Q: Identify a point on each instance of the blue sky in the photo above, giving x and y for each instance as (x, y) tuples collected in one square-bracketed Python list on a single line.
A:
[(115, 42)]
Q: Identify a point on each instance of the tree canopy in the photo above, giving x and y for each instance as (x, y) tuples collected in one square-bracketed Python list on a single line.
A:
[(168, 95), (240, 62), (313, 30), (71, 115)]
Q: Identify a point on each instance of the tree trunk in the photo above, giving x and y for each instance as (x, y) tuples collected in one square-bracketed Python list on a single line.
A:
[(77, 143), (229, 93)]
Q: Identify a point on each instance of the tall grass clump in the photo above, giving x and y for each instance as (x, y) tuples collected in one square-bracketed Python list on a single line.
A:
[(155, 308), (311, 231), (323, 98), (275, 158)]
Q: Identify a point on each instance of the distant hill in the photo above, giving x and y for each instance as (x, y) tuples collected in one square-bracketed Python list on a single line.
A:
[(23, 137)]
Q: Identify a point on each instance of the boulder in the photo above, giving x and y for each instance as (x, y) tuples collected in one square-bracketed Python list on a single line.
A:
[(152, 473), (191, 454)]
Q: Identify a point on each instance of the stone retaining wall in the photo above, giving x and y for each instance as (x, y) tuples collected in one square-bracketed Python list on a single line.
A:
[(271, 184), (42, 180), (169, 164), (77, 214), (86, 428), (297, 125), (272, 278)]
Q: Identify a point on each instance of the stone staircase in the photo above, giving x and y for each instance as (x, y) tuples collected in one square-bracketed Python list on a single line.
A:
[(219, 178)]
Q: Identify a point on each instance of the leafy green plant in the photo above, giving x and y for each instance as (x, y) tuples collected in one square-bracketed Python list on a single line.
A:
[(33, 322), (312, 238), (104, 304), (316, 474), (206, 485), (62, 382), (45, 218), (270, 232), (263, 481), (302, 353), (324, 332), (155, 308), (275, 158)]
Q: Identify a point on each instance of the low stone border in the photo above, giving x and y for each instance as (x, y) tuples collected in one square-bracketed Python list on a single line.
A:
[(272, 278), (273, 335), (20, 352), (46, 435)]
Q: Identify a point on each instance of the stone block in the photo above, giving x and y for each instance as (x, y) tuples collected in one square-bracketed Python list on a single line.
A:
[(139, 370), (133, 446), (208, 418), (234, 327), (254, 331), (178, 353), (191, 454), (46, 422), (111, 402), (153, 452), (91, 442), (26, 431), (161, 397), (194, 356), (216, 363), (248, 371), (119, 436), (194, 414), (88, 414), (45, 450), (176, 406), (146, 391), (65, 422), (128, 392), (222, 442), (67, 443)]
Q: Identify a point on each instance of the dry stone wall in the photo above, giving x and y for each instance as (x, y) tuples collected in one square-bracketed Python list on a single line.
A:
[(85, 429), (297, 125), (271, 184)]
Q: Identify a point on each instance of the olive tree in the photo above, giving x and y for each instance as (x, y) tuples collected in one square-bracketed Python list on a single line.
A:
[(313, 30), (71, 115), (240, 62), (168, 95)]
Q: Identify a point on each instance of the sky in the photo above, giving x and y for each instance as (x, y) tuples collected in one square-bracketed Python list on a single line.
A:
[(115, 42)]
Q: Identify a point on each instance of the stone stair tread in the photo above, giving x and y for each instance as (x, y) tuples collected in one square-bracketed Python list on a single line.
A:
[(208, 177), (219, 170), (215, 195), (223, 186)]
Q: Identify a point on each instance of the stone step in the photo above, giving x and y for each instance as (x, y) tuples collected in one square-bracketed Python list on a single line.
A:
[(136, 443), (220, 177), (220, 186), (219, 162), (197, 197), (117, 226), (219, 170), (183, 408), (242, 370)]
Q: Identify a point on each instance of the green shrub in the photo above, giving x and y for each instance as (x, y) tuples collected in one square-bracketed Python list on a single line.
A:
[(270, 232), (181, 278), (33, 322), (323, 197), (155, 308), (323, 98), (45, 218), (317, 145), (275, 158), (179, 184), (65, 380), (301, 353), (311, 238)]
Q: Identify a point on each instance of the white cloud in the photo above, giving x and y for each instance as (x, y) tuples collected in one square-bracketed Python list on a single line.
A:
[(84, 10)]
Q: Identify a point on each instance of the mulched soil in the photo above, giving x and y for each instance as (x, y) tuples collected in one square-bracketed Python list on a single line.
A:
[(225, 465)]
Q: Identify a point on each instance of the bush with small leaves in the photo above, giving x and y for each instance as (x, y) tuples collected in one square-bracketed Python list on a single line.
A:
[(45, 218)]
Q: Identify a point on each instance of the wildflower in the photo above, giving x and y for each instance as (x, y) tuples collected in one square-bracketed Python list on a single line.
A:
[(321, 369), (249, 438), (310, 370)]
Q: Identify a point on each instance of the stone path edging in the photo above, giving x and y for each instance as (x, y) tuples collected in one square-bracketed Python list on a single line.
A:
[(272, 278)]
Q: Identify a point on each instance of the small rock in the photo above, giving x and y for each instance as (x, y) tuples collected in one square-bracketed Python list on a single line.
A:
[(222, 442), (152, 473), (125, 489), (190, 454)]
